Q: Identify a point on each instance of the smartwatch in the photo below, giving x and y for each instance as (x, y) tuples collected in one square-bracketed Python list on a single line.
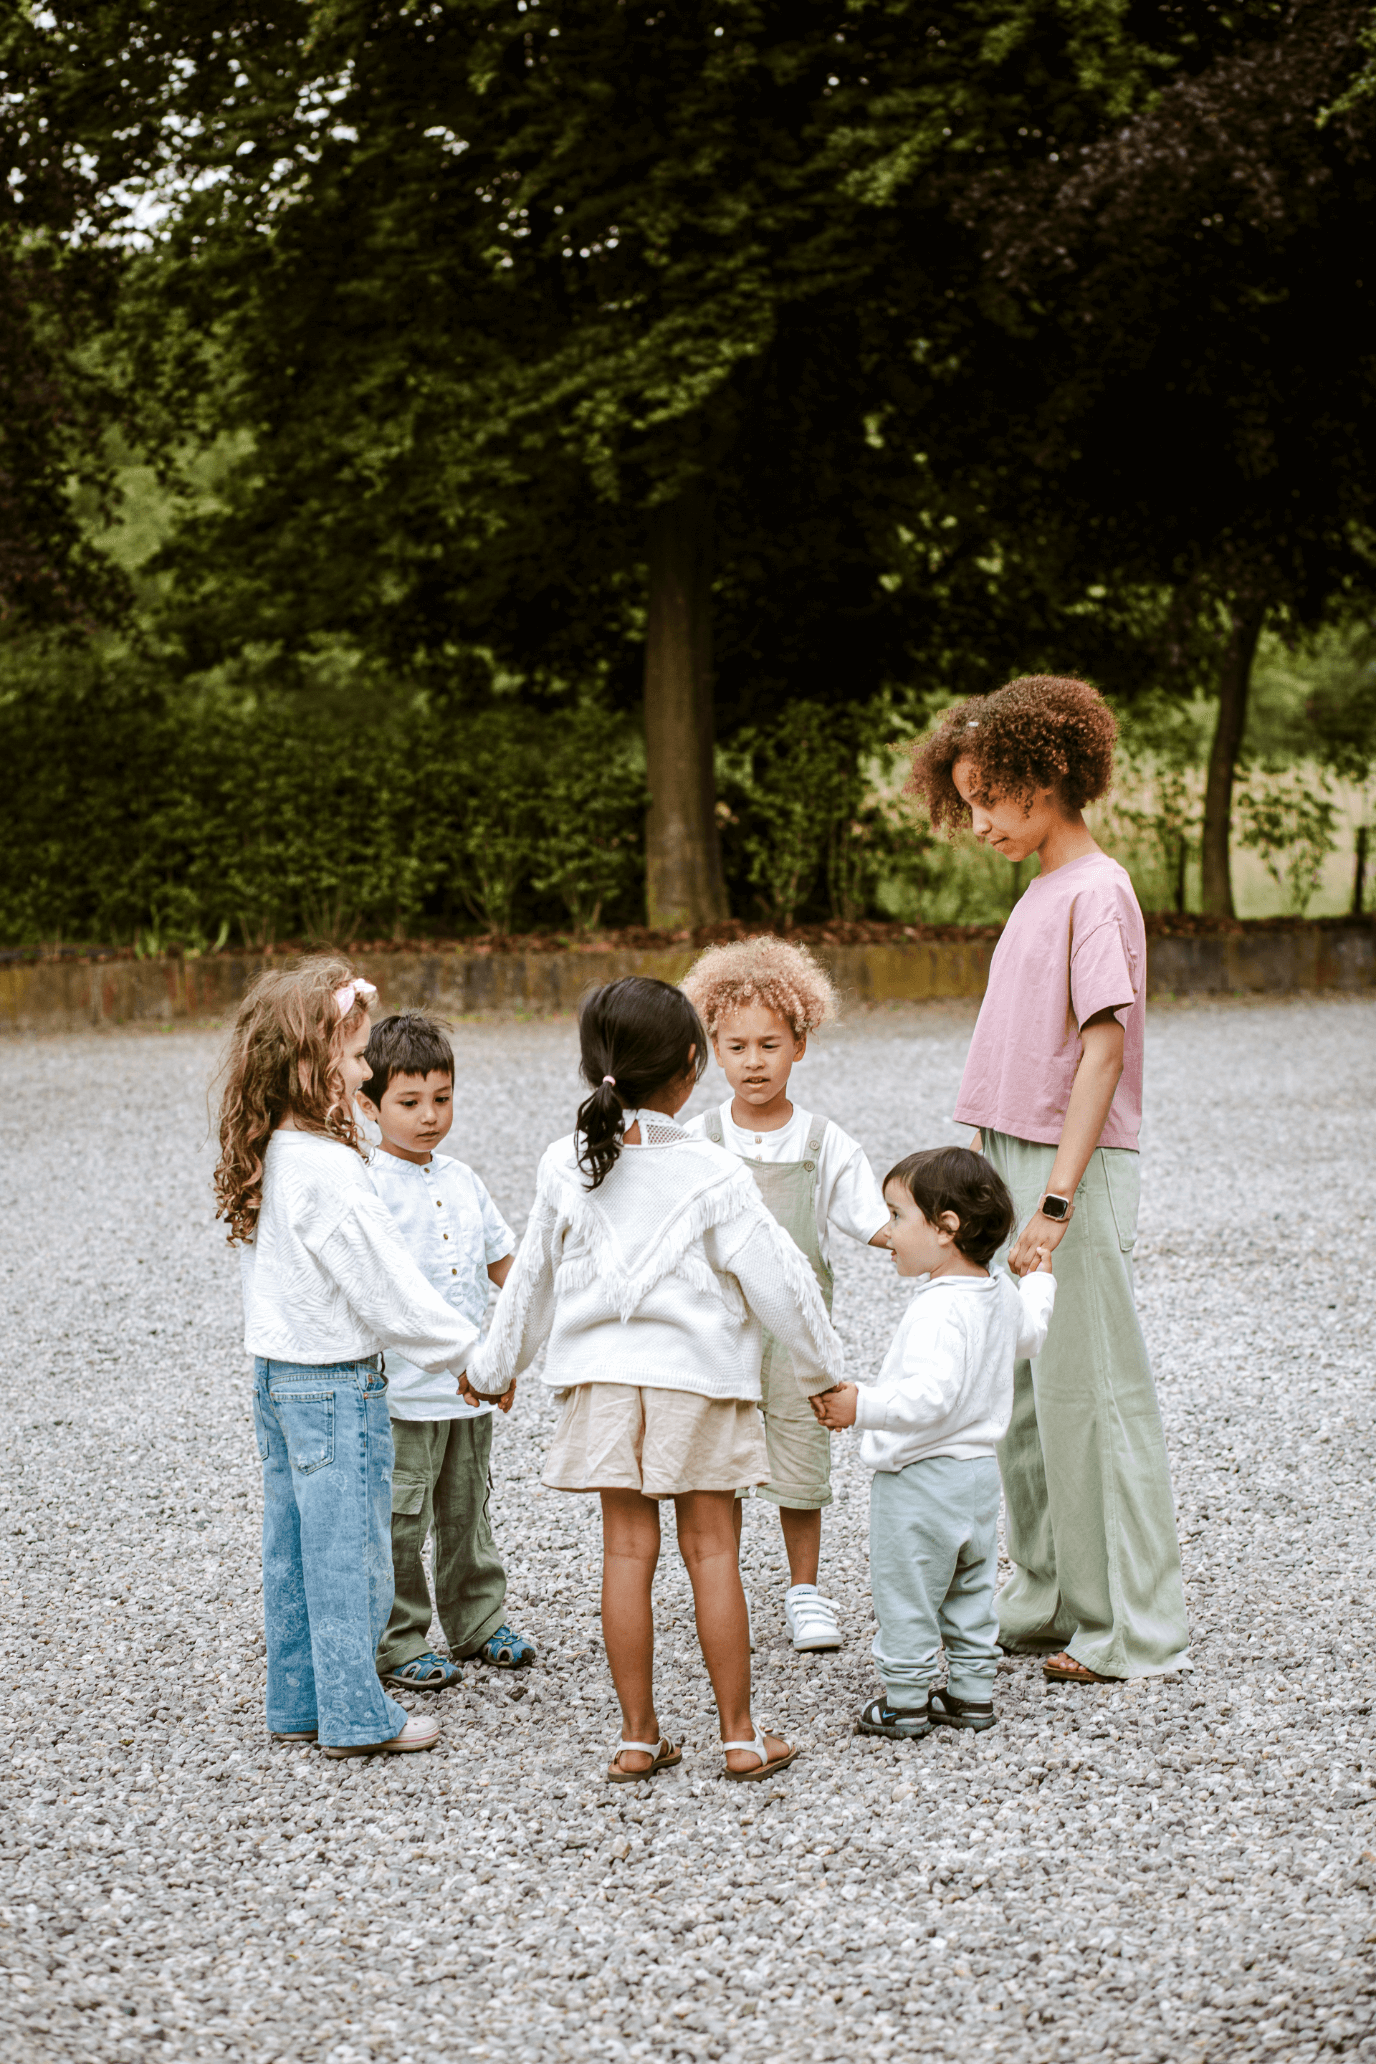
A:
[(1054, 1206)]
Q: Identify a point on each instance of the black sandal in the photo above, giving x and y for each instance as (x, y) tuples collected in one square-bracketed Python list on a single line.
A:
[(949, 1711), (895, 1723)]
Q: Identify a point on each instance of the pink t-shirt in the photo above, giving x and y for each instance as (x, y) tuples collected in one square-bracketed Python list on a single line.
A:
[(1075, 945)]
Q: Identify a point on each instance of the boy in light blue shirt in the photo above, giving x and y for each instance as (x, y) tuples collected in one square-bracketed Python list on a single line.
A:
[(441, 1479)]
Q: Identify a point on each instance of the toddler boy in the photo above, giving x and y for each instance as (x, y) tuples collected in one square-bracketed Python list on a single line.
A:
[(759, 1000), (443, 1444), (931, 1422)]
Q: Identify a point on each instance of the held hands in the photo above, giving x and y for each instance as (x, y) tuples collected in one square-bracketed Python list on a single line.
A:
[(471, 1396), (1037, 1242), (835, 1408)]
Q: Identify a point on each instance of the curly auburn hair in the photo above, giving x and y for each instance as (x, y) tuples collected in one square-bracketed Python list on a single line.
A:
[(1042, 731), (784, 978), (280, 1059)]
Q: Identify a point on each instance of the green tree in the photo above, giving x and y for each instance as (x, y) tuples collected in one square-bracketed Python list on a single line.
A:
[(56, 289), (1193, 328), (598, 336)]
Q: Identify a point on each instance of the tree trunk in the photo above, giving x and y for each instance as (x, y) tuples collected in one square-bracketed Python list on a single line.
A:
[(684, 883), (1233, 682), (1359, 871)]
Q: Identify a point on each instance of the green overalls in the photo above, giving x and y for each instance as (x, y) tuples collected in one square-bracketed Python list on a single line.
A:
[(799, 1449)]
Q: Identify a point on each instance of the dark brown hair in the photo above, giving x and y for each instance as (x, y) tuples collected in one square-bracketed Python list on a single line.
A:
[(281, 1058), (954, 1179), (637, 1031), (407, 1044), (1042, 731)]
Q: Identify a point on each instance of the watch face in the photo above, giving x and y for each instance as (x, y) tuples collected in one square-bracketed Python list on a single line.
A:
[(1054, 1207)]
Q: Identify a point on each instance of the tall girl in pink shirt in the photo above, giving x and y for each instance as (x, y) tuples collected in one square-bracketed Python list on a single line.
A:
[(1053, 1084)]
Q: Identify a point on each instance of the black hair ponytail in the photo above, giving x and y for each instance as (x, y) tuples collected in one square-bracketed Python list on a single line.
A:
[(642, 1034)]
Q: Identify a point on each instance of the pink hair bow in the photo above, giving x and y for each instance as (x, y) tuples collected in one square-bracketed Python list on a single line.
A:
[(357, 991)]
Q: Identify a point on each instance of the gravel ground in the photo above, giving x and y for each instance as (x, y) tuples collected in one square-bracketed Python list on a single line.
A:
[(1175, 1869)]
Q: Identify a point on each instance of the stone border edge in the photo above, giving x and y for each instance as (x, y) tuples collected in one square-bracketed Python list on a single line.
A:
[(76, 996)]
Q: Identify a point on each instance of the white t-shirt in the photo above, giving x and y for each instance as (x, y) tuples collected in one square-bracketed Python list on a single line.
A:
[(849, 1199), (451, 1228)]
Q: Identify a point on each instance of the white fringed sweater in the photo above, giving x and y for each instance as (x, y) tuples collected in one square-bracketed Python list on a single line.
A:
[(665, 1276)]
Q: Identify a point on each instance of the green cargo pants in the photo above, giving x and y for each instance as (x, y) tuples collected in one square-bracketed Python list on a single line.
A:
[(1086, 1482), (440, 1484)]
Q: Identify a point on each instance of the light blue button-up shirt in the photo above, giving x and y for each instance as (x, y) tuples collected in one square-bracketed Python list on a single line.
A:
[(452, 1230)]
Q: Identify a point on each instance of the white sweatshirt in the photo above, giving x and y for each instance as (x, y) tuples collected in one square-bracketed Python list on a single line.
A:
[(946, 1384), (664, 1276), (327, 1278)]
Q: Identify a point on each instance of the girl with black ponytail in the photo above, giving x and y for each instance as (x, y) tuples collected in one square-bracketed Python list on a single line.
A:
[(639, 1038), (651, 1269)]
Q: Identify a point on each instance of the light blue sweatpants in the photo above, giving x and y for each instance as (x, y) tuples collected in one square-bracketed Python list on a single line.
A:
[(934, 1550)]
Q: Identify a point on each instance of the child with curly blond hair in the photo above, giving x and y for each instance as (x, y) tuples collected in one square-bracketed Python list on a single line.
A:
[(1053, 1084), (760, 1000)]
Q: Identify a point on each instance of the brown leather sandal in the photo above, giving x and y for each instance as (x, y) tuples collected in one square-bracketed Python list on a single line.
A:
[(766, 1767), (665, 1755), (1063, 1669)]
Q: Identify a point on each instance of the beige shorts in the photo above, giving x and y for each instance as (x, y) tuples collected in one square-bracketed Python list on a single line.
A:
[(798, 1448), (620, 1437)]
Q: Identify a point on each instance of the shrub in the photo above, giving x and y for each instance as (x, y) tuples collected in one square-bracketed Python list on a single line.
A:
[(159, 817), (810, 826)]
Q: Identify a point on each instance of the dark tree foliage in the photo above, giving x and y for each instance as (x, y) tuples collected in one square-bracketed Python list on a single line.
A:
[(488, 287), (737, 352), (1191, 305), (54, 412)]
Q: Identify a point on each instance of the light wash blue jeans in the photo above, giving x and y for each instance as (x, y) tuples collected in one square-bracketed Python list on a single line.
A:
[(326, 1443), (934, 1551)]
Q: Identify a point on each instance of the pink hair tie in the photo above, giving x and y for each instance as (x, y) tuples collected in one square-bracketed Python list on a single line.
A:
[(350, 993), (609, 1078)]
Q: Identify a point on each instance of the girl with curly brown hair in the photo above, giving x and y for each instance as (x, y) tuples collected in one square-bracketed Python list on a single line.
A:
[(1053, 1084), (327, 1286)]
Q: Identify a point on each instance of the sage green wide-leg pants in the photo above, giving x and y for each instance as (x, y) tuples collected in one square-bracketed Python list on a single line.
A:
[(1086, 1482)]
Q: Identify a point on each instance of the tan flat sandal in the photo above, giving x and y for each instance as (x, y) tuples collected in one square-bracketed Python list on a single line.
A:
[(1063, 1669), (768, 1765), (664, 1753)]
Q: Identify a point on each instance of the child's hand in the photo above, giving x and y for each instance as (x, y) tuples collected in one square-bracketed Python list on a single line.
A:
[(1043, 1267), (835, 1408), (473, 1397)]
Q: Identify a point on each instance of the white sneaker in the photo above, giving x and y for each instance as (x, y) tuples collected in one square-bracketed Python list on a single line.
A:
[(811, 1618), (420, 1732)]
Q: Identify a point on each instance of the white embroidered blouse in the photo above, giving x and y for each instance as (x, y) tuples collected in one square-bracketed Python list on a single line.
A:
[(327, 1277), (666, 1276)]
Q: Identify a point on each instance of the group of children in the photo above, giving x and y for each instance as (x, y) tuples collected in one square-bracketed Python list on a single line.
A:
[(678, 1279)]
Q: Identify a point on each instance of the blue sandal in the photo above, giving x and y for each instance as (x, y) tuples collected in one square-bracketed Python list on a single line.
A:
[(427, 1672), (507, 1650)]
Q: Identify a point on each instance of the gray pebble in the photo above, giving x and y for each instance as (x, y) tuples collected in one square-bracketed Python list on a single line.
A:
[(1179, 1868)]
